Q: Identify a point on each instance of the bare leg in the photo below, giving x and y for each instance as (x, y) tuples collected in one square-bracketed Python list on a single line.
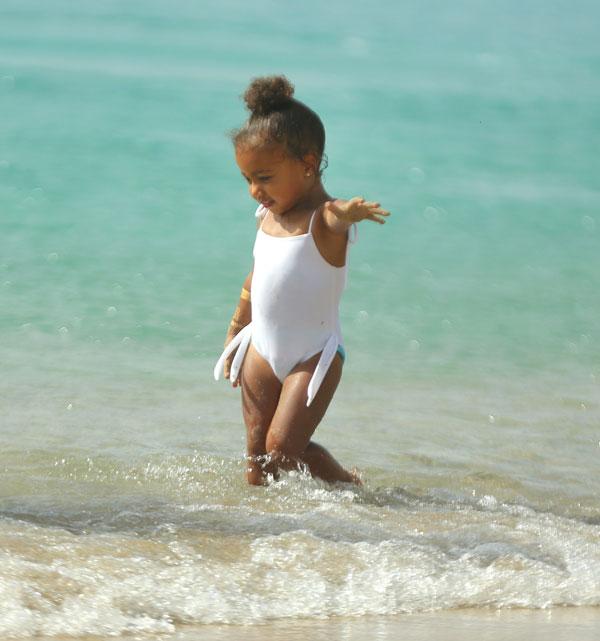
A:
[(279, 425), (292, 425), (260, 395), (321, 464)]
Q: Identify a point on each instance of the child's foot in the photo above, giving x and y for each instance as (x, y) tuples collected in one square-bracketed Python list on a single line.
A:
[(355, 474)]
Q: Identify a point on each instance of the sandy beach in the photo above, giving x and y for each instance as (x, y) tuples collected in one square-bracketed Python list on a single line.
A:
[(556, 624)]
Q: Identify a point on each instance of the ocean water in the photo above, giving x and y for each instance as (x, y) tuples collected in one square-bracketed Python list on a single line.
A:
[(470, 399)]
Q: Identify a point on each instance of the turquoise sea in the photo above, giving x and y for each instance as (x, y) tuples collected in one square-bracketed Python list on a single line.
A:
[(471, 393)]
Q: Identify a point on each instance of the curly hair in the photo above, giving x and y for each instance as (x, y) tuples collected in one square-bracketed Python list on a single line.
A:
[(276, 117)]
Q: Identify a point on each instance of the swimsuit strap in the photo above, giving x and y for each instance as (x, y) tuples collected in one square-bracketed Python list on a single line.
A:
[(263, 216), (352, 234), (310, 224), (311, 220)]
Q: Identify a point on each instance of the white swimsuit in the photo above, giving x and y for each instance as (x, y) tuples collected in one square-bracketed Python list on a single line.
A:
[(295, 307)]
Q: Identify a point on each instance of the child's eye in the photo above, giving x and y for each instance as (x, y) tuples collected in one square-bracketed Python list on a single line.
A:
[(264, 179)]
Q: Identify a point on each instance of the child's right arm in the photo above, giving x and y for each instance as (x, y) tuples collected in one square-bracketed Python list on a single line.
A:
[(241, 317)]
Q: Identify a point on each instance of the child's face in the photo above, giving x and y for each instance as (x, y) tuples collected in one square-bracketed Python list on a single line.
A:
[(275, 179)]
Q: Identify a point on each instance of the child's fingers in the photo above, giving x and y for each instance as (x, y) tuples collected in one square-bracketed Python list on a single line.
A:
[(357, 209), (227, 374), (227, 365), (375, 207), (378, 214), (227, 371), (376, 219)]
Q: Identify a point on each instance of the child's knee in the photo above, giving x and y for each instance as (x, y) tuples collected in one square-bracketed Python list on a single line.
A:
[(278, 449), (283, 458)]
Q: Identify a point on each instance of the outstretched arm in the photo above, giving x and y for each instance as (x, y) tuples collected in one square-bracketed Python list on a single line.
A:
[(241, 317), (339, 215)]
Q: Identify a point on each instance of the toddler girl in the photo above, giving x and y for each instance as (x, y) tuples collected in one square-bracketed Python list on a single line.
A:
[(285, 330)]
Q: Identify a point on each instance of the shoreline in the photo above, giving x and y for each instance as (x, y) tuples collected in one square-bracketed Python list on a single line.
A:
[(580, 623)]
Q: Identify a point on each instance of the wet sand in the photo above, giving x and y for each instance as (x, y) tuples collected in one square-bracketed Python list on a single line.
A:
[(557, 624)]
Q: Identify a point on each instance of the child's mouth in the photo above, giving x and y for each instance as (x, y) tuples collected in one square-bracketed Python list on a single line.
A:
[(267, 203)]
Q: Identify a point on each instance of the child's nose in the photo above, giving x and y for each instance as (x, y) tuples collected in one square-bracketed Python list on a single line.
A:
[(254, 191)]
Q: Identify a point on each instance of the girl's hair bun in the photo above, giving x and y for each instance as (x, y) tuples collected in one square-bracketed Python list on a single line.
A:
[(277, 118), (267, 94)]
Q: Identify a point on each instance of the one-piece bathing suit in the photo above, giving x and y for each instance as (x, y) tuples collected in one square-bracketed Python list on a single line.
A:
[(295, 307)]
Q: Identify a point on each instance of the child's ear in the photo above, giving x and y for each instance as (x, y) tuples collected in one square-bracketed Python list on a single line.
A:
[(311, 163)]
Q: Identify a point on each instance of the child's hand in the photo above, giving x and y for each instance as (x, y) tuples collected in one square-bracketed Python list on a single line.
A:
[(227, 367), (357, 209)]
